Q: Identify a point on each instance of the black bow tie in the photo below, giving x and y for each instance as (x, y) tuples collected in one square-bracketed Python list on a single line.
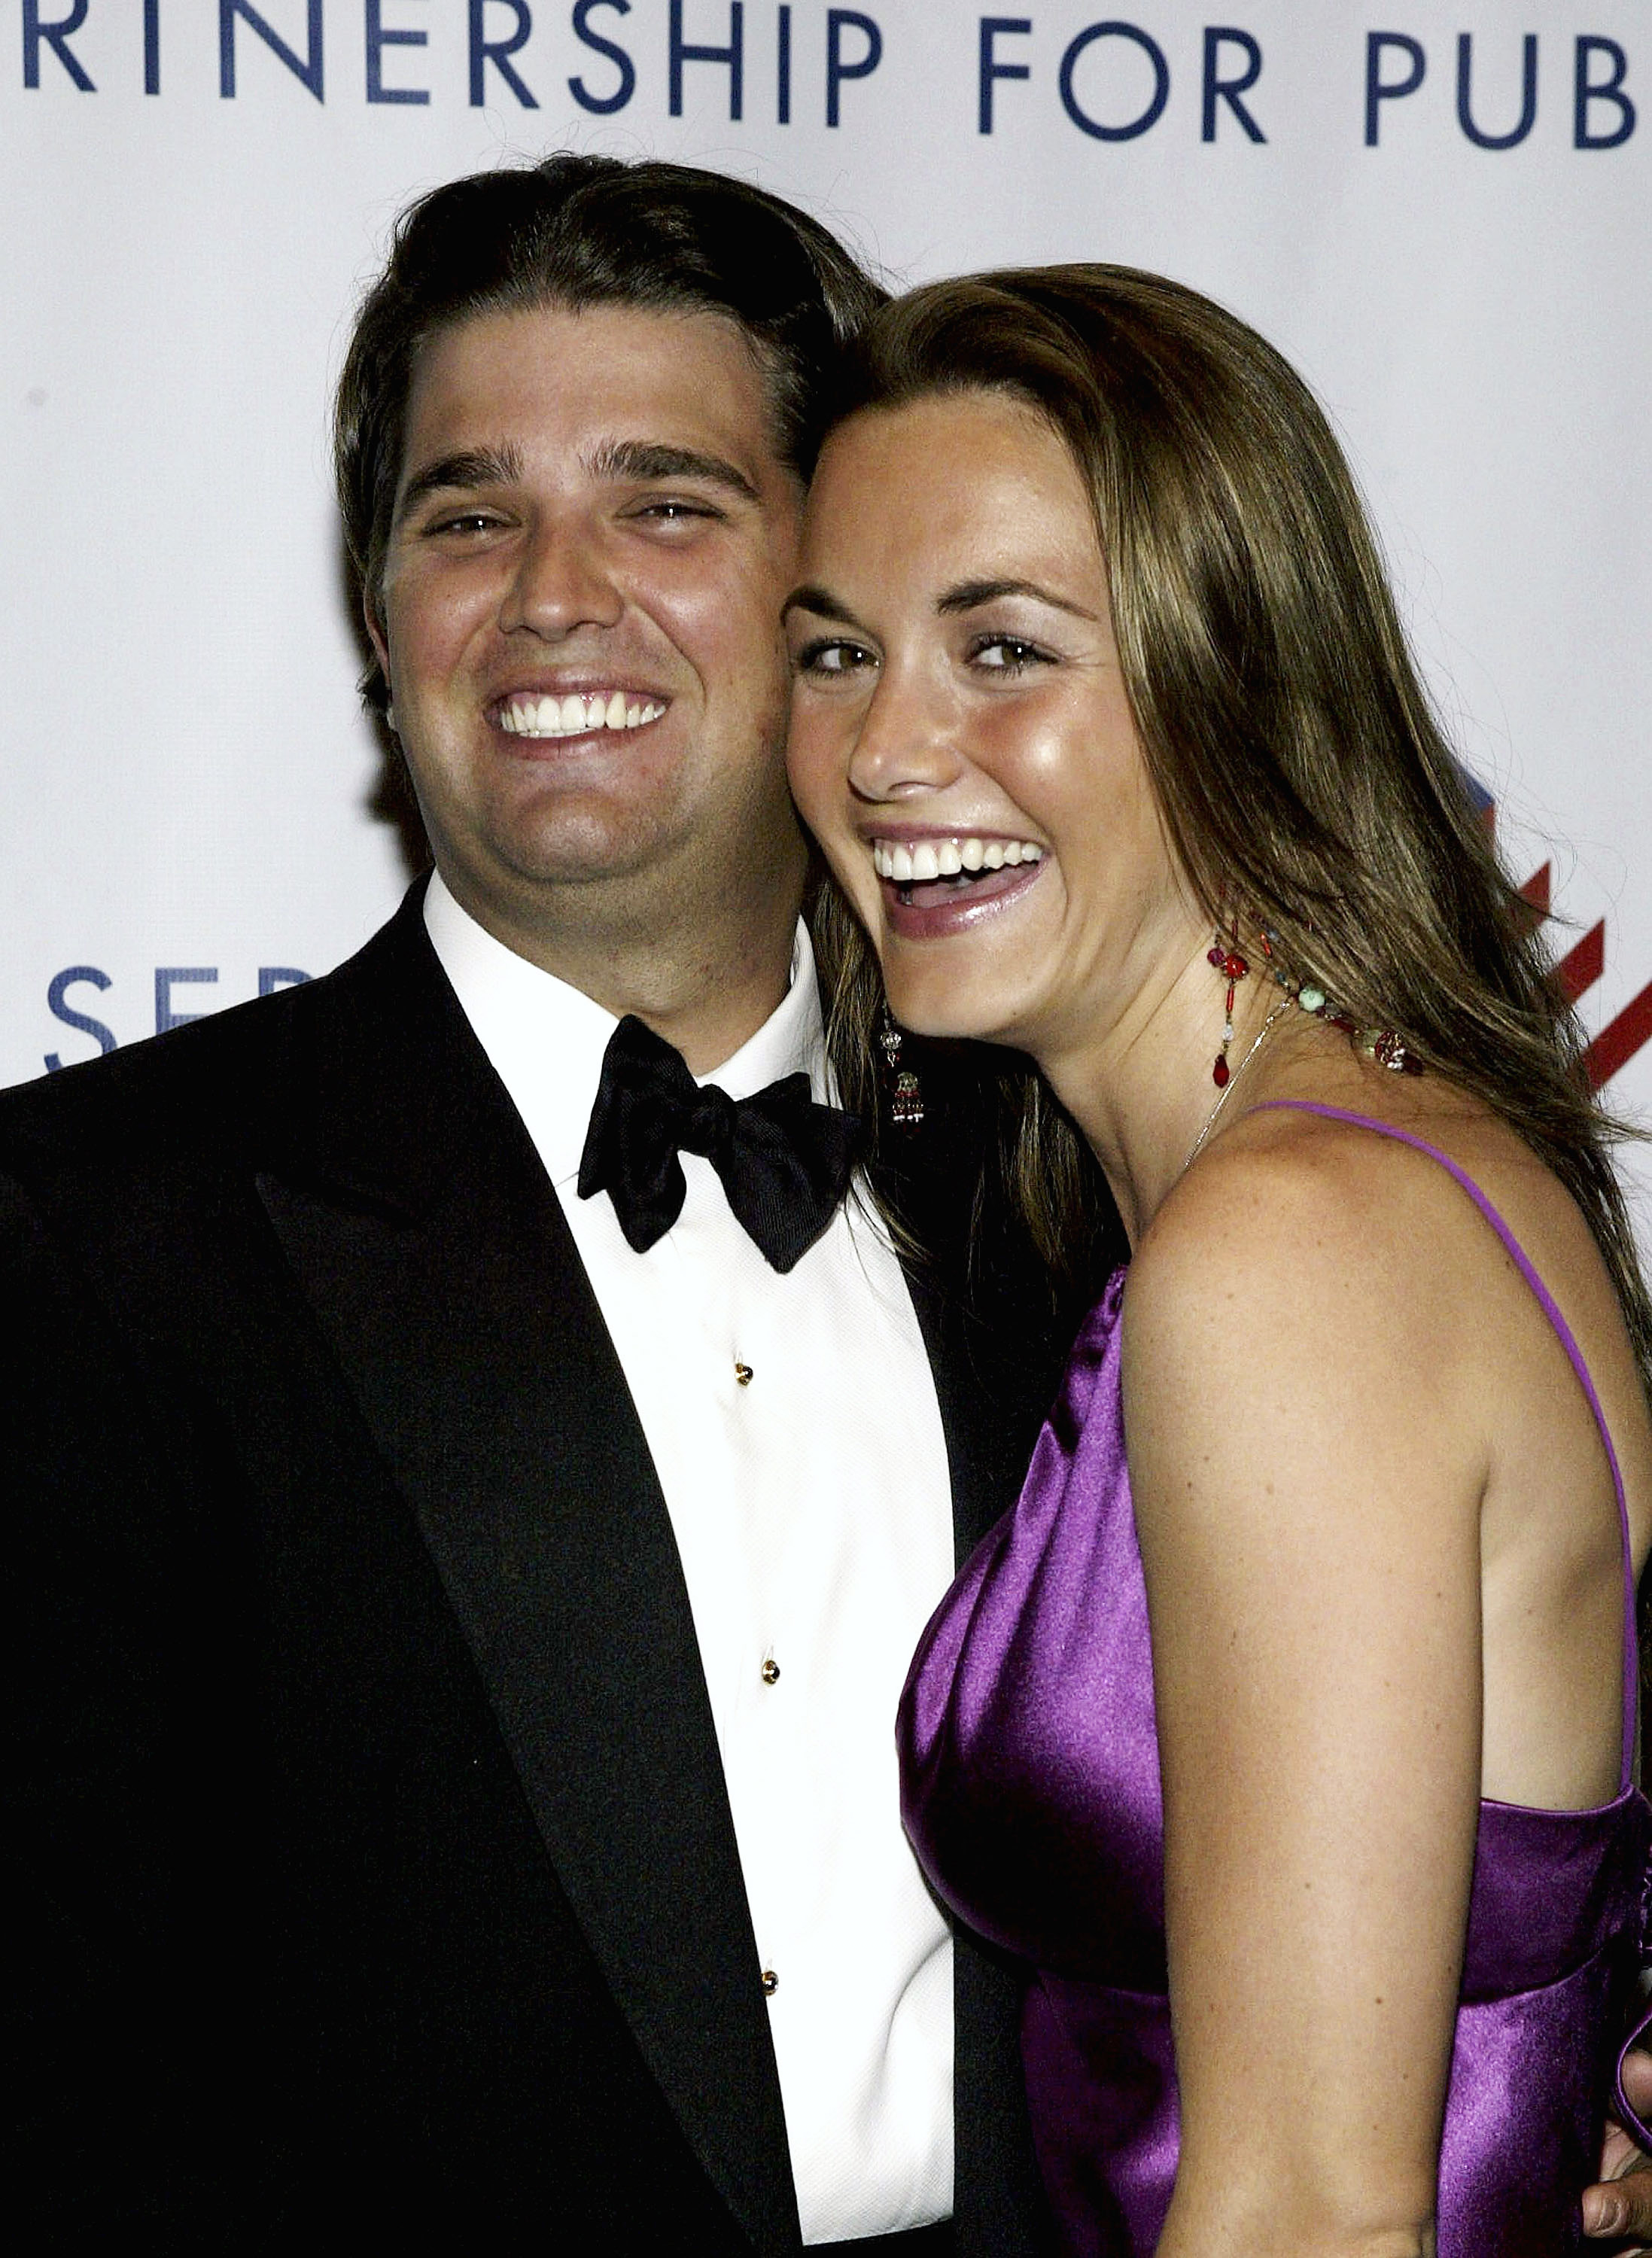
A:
[(784, 1161)]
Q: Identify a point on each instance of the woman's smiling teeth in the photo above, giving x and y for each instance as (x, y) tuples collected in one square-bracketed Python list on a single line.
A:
[(575, 715), (948, 858)]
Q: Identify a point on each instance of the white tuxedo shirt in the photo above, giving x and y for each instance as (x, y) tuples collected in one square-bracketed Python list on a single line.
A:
[(794, 1427)]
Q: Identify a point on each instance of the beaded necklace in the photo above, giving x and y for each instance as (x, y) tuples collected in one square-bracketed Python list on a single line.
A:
[(1384, 1047)]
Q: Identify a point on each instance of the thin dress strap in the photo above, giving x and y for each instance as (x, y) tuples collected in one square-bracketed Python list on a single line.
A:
[(1564, 1334)]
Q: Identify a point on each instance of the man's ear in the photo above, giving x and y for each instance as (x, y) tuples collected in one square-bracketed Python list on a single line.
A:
[(375, 627)]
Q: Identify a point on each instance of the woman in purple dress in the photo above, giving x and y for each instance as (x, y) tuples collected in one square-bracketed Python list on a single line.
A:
[(1287, 1729)]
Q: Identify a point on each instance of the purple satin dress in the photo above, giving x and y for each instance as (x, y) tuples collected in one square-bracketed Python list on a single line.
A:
[(1030, 1791)]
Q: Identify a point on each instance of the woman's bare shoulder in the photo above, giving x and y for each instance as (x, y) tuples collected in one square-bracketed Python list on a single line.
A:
[(1300, 1221), (1358, 1267)]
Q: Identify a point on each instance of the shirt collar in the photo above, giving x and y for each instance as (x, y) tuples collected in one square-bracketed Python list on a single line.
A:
[(545, 1040)]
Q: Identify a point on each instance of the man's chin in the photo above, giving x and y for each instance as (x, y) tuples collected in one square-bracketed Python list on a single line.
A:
[(577, 846), (526, 890)]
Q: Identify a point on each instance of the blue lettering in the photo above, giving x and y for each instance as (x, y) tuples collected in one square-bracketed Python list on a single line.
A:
[(1380, 89), (378, 39), (1217, 88), (1155, 109), (991, 68), (838, 21), (603, 104), (1528, 94), (57, 36), (152, 47), (272, 977), (499, 52), (782, 67), (1587, 89), (61, 1009), (309, 74), (170, 975), (732, 54)]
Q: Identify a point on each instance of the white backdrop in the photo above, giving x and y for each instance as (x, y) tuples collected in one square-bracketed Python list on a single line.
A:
[(195, 191)]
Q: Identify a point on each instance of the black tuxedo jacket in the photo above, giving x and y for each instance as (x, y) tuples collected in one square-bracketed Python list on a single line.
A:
[(378, 1863)]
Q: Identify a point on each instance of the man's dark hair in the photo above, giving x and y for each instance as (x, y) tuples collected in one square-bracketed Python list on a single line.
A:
[(578, 232)]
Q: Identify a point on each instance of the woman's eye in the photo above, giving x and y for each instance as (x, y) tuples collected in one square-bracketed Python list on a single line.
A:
[(832, 656), (1004, 654)]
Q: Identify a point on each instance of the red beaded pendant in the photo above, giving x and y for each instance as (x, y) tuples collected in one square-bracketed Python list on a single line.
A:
[(1227, 959)]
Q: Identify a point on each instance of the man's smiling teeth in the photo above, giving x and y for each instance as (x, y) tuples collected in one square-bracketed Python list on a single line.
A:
[(945, 858), (576, 713)]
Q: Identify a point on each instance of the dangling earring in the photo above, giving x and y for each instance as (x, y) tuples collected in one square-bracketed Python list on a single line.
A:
[(390, 719), (906, 1099), (1233, 967)]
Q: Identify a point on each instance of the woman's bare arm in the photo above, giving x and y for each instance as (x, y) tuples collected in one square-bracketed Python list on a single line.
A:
[(1308, 1471)]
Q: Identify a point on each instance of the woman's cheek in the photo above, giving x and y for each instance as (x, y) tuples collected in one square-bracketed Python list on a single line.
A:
[(816, 788)]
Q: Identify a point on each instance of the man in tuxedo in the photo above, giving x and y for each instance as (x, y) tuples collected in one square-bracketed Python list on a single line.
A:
[(479, 1487), (473, 1549)]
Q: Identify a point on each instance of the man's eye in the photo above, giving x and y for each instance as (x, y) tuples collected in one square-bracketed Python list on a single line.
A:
[(674, 510), (464, 520), (832, 655), (1003, 654)]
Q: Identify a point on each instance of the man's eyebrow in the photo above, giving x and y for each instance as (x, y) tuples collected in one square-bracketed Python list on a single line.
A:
[(825, 605), (462, 472), (650, 461), (969, 593)]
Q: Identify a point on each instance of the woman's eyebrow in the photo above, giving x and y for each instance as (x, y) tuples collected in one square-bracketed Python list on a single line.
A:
[(968, 593), (825, 605)]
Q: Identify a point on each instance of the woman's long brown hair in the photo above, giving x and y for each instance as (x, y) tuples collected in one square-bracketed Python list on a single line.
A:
[(1297, 763)]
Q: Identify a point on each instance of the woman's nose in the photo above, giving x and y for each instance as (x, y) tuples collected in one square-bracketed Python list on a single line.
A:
[(562, 581), (906, 745)]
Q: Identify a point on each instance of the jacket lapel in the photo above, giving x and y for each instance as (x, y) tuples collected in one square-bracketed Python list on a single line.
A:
[(417, 1217), (998, 1337)]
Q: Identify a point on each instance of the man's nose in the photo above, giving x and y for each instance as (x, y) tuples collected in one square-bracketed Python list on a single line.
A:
[(561, 582), (908, 740)]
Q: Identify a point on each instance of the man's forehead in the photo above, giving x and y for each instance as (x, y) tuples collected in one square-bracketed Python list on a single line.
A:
[(606, 386)]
